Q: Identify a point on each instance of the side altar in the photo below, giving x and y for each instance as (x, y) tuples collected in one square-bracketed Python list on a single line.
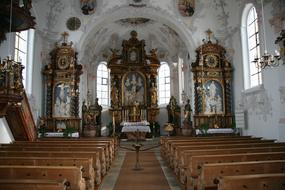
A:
[(133, 83), (212, 75), (61, 78)]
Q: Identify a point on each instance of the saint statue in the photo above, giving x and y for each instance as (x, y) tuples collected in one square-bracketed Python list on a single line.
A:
[(135, 113), (153, 95), (115, 97), (187, 112), (62, 101), (213, 100)]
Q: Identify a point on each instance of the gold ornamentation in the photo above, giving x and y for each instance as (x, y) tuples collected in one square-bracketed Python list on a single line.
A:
[(211, 60)]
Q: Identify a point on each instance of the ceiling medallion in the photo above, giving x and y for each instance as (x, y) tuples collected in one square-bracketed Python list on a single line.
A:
[(73, 23)]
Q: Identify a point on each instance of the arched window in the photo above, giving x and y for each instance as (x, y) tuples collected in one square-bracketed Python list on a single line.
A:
[(24, 45), (251, 47), (103, 84), (163, 84)]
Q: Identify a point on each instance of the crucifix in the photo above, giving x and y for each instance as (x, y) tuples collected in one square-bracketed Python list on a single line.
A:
[(209, 34), (65, 36)]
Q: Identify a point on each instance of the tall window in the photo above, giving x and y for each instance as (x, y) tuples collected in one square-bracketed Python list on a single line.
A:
[(21, 51), (250, 47), (163, 84), (103, 84)]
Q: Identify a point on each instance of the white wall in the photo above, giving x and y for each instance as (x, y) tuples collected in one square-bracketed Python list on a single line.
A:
[(263, 105), (5, 132)]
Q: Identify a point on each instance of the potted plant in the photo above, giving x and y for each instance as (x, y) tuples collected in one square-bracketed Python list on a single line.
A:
[(42, 131), (68, 132), (204, 128)]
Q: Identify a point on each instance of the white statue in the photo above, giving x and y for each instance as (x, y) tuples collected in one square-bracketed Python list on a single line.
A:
[(62, 102), (213, 100)]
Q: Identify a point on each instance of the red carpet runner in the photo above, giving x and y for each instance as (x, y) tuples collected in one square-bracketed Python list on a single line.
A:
[(150, 178)]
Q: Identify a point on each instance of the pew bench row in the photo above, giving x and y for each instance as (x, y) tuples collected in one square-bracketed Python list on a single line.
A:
[(93, 158), (193, 159)]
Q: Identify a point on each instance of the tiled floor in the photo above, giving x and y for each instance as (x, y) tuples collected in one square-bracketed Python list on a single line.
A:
[(110, 179)]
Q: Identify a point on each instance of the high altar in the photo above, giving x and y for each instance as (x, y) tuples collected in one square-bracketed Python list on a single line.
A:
[(133, 82)]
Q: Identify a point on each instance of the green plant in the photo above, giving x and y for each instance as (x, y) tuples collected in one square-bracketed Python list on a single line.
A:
[(42, 131), (234, 123), (204, 128), (68, 131)]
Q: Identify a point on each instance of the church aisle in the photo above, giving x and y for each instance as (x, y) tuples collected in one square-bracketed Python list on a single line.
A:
[(151, 177), (155, 174)]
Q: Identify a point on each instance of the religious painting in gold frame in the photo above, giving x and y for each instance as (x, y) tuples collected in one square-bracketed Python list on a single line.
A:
[(133, 55), (213, 100), (62, 100), (133, 88)]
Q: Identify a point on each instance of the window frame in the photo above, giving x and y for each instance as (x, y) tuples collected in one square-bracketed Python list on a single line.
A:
[(166, 84), (103, 81), (27, 59), (249, 69)]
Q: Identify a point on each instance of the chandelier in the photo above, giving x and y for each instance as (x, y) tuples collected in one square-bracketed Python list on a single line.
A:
[(267, 59)]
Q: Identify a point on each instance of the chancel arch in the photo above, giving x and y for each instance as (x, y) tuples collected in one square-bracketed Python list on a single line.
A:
[(125, 13)]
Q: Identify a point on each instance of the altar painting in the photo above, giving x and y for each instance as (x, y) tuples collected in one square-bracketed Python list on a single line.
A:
[(213, 97), (133, 89), (62, 100)]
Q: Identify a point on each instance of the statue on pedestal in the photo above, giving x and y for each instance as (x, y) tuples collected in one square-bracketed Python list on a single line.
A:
[(173, 114), (91, 122), (135, 112), (187, 123)]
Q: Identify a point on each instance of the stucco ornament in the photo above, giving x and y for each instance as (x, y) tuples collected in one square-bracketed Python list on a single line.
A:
[(282, 94), (257, 102)]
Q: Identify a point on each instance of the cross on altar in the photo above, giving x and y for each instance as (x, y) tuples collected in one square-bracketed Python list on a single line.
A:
[(209, 34), (65, 36)]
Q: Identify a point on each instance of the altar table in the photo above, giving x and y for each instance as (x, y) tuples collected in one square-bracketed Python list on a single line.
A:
[(136, 130)]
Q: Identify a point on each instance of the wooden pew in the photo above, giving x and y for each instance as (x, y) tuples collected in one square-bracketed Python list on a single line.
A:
[(33, 184), (86, 164), (253, 182), (196, 162), (100, 150), (165, 139), (72, 174), (109, 144), (211, 172), (110, 153), (77, 154), (186, 156), (165, 143), (171, 147), (180, 150), (113, 141), (182, 158)]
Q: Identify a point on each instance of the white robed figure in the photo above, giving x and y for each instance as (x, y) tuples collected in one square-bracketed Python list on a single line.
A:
[(213, 100)]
